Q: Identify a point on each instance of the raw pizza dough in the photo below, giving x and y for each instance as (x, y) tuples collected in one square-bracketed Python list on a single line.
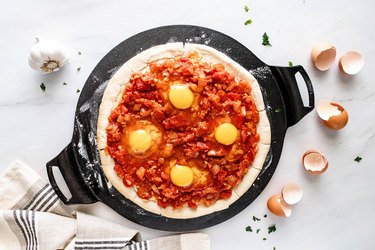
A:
[(112, 97)]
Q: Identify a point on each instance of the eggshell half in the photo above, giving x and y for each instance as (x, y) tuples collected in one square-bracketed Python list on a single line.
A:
[(292, 193), (278, 206), (323, 56), (314, 162), (334, 116), (351, 62)]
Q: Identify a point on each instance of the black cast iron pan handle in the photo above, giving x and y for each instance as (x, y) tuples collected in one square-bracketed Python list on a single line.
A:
[(286, 79), (66, 163)]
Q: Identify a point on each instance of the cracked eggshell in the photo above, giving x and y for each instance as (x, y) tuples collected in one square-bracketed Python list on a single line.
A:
[(351, 62), (314, 162), (278, 206), (323, 56), (292, 193), (334, 116)]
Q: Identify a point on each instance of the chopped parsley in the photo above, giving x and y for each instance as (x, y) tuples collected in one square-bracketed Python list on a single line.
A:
[(78, 68), (265, 216), (78, 90), (79, 53), (274, 248), (255, 218), (258, 230), (248, 229), (278, 110), (266, 40), (358, 159), (248, 22), (290, 64), (246, 8), (64, 83), (43, 87), (271, 228), (264, 238)]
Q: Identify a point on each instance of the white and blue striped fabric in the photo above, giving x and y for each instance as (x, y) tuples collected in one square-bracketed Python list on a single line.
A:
[(33, 218)]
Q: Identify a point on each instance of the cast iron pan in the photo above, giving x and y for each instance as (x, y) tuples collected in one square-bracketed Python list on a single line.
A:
[(79, 162)]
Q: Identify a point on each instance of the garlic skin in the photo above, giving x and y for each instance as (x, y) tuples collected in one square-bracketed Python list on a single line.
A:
[(47, 56)]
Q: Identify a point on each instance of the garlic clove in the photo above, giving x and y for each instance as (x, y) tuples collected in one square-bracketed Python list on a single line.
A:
[(47, 56)]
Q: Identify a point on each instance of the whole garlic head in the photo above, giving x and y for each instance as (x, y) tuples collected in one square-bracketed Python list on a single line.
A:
[(47, 56)]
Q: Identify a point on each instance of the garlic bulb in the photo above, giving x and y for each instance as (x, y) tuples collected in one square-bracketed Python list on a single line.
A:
[(47, 56)]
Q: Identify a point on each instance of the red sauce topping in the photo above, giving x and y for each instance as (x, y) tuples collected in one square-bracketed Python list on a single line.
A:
[(186, 136)]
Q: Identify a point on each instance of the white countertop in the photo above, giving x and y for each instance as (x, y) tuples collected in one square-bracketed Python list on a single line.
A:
[(337, 208)]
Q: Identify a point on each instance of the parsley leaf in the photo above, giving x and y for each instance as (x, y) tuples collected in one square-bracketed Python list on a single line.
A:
[(64, 83), (248, 22), (43, 87), (264, 238), (258, 230), (266, 40), (271, 228), (358, 159), (79, 53), (78, 90), (265, 216), (274, 248), (255, 218), (290, 64), (248, 229), (246, 8), (78, 68)]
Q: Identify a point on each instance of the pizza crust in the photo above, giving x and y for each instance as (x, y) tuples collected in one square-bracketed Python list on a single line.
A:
[(246, 182), (113, 94), (260, 156), (264, 128)]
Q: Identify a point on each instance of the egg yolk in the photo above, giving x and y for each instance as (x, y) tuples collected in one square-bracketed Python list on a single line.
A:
[(140, 141), (181, 96), (226, 133), (181, 175)]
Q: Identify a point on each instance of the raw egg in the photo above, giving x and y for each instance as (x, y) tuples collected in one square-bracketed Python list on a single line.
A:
[(141, 138), (181, 175), (314, 162), (140, 141), (181, 96), (292, 193), (278, 206), (334, 116), (226, 133), (323, 56), (351, 62)]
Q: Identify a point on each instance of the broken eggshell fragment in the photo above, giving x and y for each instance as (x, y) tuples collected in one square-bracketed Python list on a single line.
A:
[(351, 62), (292, 193), (334, 116), (314, 162), (278, 206), (323, 56)]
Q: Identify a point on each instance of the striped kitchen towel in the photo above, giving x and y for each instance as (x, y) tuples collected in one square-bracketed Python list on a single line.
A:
[(32, 217)]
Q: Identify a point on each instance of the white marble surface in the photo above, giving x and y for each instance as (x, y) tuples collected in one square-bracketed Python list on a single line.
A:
[(337, 208)]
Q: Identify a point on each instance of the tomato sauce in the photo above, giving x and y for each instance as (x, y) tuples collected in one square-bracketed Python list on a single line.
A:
[(186, 136)]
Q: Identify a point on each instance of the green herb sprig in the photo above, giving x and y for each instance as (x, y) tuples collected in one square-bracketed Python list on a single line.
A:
[(358, 159), (271, 228), (43, 87), (266, 40)]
